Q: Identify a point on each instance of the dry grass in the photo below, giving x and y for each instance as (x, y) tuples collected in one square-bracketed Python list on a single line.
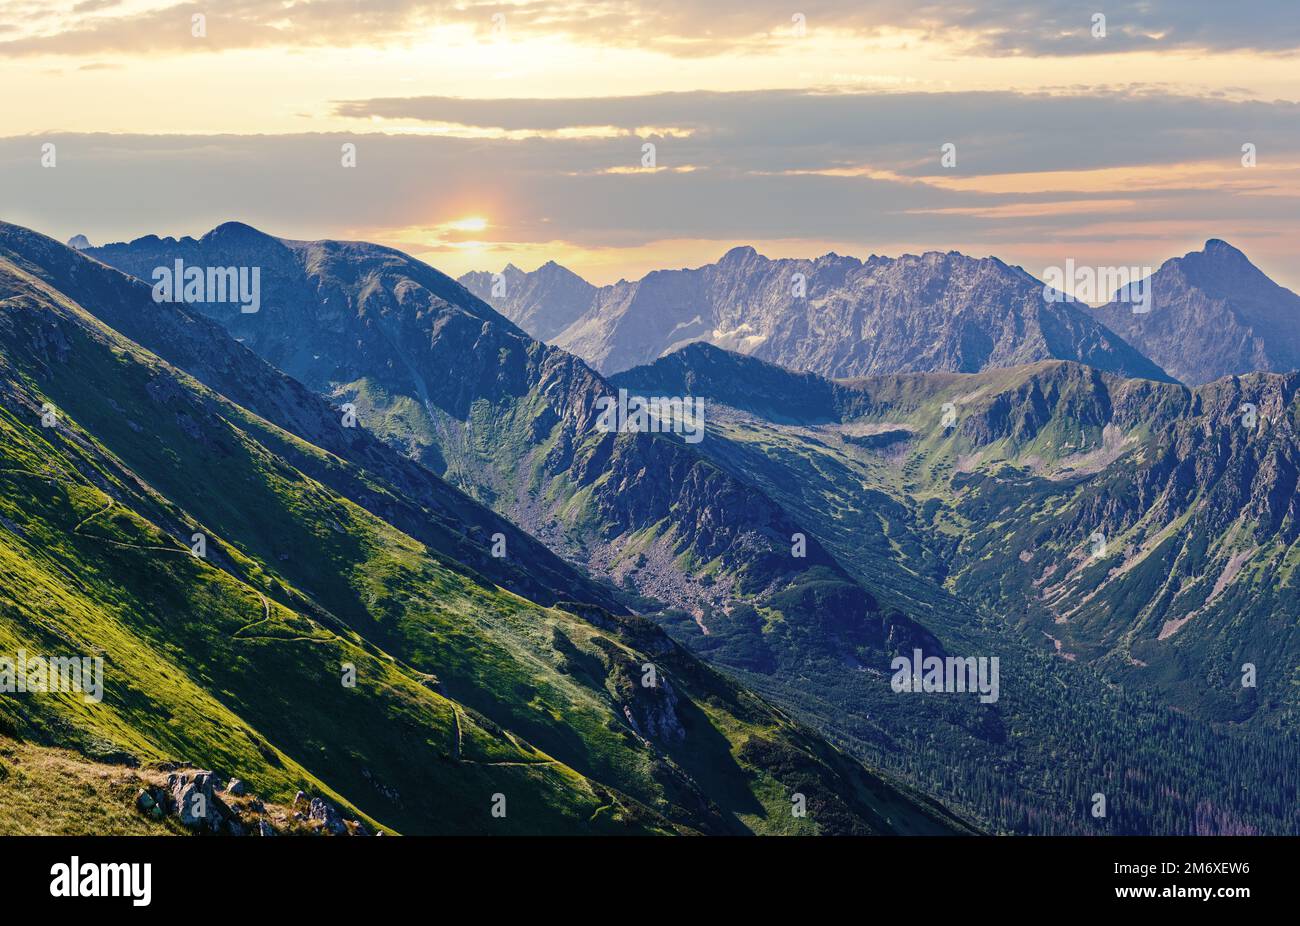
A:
[(45, 791), (54, 792)]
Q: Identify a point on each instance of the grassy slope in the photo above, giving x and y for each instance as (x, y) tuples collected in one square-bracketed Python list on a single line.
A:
[(199, 667)]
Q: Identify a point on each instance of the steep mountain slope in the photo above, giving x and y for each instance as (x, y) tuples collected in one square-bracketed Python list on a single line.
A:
[(972, 501), (234, 660), (836, 316), (1213, 314), (381, 479)]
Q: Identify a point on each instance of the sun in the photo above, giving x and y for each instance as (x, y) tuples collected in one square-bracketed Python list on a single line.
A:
[(472, 223)]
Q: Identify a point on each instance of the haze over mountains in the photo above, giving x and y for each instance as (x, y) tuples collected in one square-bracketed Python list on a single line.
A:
[(915, 531)]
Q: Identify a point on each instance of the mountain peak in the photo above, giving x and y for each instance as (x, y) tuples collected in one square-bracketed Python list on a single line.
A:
[(234, 231), (1219, 249), (551, 269), (1214, 314), (1219, 265), (79, 242), (737, 254)]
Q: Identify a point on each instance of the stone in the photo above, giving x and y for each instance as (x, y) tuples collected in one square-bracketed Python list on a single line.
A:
[(324, 812), (194, 799)]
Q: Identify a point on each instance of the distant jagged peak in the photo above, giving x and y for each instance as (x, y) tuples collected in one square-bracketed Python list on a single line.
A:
[(740, 254), (551, 270)]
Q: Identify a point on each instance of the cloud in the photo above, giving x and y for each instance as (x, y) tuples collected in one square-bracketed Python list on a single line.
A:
[(797, 130), (677, 27), (860, 169)]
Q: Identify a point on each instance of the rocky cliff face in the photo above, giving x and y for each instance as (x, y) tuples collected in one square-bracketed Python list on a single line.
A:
[(543, 302), (1213, 314), (836, 316)]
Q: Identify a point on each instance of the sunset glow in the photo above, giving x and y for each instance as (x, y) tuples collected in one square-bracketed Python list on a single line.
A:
[(761, 121)]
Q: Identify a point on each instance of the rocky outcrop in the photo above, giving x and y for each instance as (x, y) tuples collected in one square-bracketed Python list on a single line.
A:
[(643, 693), (200, 801), (192, 795), (324, 813)]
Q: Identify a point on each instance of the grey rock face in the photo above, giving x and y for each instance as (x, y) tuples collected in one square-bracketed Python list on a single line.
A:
[(1213, 314), (543, 302), (654, 713), (836, 316)]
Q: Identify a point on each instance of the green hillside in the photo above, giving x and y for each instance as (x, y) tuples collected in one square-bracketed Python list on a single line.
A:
[(464, 690)]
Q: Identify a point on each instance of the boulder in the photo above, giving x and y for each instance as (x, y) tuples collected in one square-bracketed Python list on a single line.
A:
[(194, 800), (325, 813)]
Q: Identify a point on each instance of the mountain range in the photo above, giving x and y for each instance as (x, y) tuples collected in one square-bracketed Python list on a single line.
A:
[(943, 494), (837, 316), (1213, 314), (1147, 528), (283, 598)]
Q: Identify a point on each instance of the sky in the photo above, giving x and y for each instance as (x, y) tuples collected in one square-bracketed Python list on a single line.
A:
[(494, 133)]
